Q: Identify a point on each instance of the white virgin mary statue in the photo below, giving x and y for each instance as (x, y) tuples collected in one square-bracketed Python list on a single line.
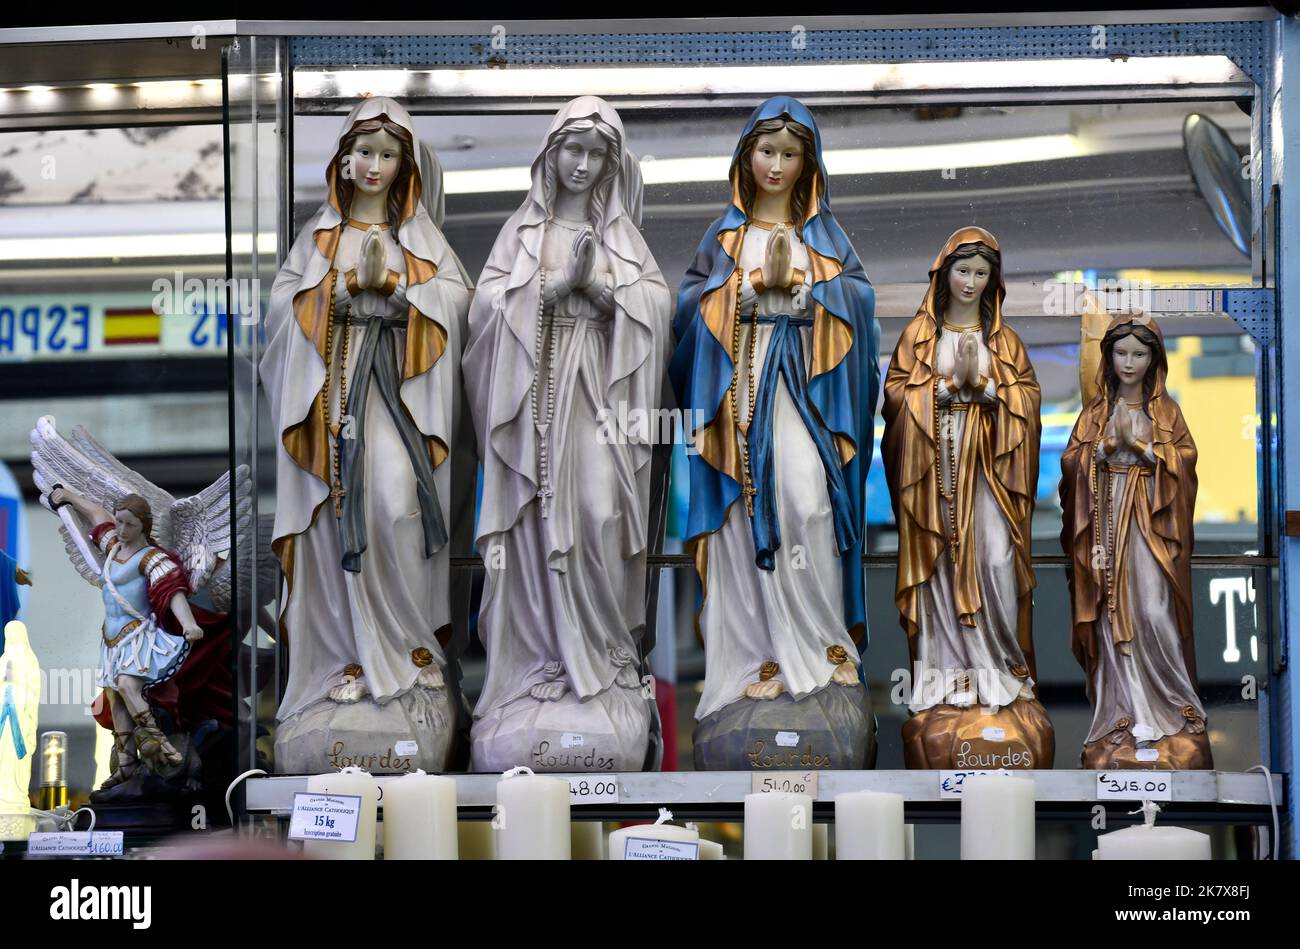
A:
[(361, 370), (569, 335)]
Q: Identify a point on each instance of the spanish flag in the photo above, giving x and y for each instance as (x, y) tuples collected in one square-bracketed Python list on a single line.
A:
[(131, 327)]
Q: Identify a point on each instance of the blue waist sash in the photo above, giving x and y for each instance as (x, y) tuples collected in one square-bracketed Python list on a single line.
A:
[(378, 361), (785, 357)]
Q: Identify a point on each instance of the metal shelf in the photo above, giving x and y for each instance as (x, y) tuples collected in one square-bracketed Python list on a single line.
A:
[(1222, 797)]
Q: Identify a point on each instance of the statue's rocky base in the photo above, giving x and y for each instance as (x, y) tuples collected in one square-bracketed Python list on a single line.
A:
[(1181, 752), (610, 731), (413, 730), (830, 728), (952, 738)]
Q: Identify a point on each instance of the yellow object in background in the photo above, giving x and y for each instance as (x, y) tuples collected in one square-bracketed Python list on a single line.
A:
[(1220, 412)]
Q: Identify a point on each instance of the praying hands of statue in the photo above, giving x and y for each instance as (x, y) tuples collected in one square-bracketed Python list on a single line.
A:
[(22, 577), (778, 261), (1121, 433), (968, 362), (373, 270), (581, 268), (1125, 429)]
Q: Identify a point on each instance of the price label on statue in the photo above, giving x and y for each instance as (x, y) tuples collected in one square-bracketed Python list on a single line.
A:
[(325, 817), (593, 790), (786, 782), (639, 848), (950, 783), (1131, 786)]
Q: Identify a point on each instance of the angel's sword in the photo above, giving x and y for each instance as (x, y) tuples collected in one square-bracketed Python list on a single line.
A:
[(75, 530)]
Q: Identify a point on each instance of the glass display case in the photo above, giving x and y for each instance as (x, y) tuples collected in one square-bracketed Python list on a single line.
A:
[(1135, 161)]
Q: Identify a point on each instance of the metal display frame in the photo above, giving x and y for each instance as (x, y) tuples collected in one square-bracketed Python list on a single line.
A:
[(1263, 44)]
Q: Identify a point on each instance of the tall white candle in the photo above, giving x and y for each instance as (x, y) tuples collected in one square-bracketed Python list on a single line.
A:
[(351, 782), (532, 817), (778, 826), (476, 840), (420, 818), (869, 826), (997, 817), (911, 841), (1147, 842), (660, 830)]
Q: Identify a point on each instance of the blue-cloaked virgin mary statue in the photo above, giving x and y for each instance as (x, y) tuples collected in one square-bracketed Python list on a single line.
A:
[(777, 364)]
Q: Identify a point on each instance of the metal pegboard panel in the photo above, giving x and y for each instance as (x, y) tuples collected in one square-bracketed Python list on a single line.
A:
[(1243, 42), (1254, 310)]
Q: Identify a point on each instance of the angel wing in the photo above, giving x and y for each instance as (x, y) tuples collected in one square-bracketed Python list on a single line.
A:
[(86, 467), (201, 525), (160, 501), (197, 528)]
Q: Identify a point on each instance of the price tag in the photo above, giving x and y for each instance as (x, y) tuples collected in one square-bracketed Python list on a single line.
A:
[(593, 790), (787, 782), (950, 783), (1147, 754), (76, 843), (1135, 786), (993, 733), (407, 748), (572, 740), (638, 848), (325, 817), (787, 739)]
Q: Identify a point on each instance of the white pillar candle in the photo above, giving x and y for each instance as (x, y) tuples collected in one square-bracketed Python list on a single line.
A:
[(869, 826), (587, 840), (1148, 842), (532, 817), (352, 782), (778, 826), (475, 840), (910, 841), (659, 830), (821, 841), (997, 818), (420, 818)]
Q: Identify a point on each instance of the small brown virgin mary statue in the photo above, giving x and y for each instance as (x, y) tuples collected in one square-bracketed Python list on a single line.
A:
[(961, 456), (1128, 490)]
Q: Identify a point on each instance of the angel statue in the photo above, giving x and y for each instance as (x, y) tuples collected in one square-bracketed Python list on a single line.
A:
[(164, 663)]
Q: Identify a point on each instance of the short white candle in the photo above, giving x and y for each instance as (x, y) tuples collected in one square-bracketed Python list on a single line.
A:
[(869, 826), (997, 818), (587, 840), (658, 831), (420, 818), (476, 840), (910, 841), (1147, 842), (532, 817), (355, 783), (778, 826)]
